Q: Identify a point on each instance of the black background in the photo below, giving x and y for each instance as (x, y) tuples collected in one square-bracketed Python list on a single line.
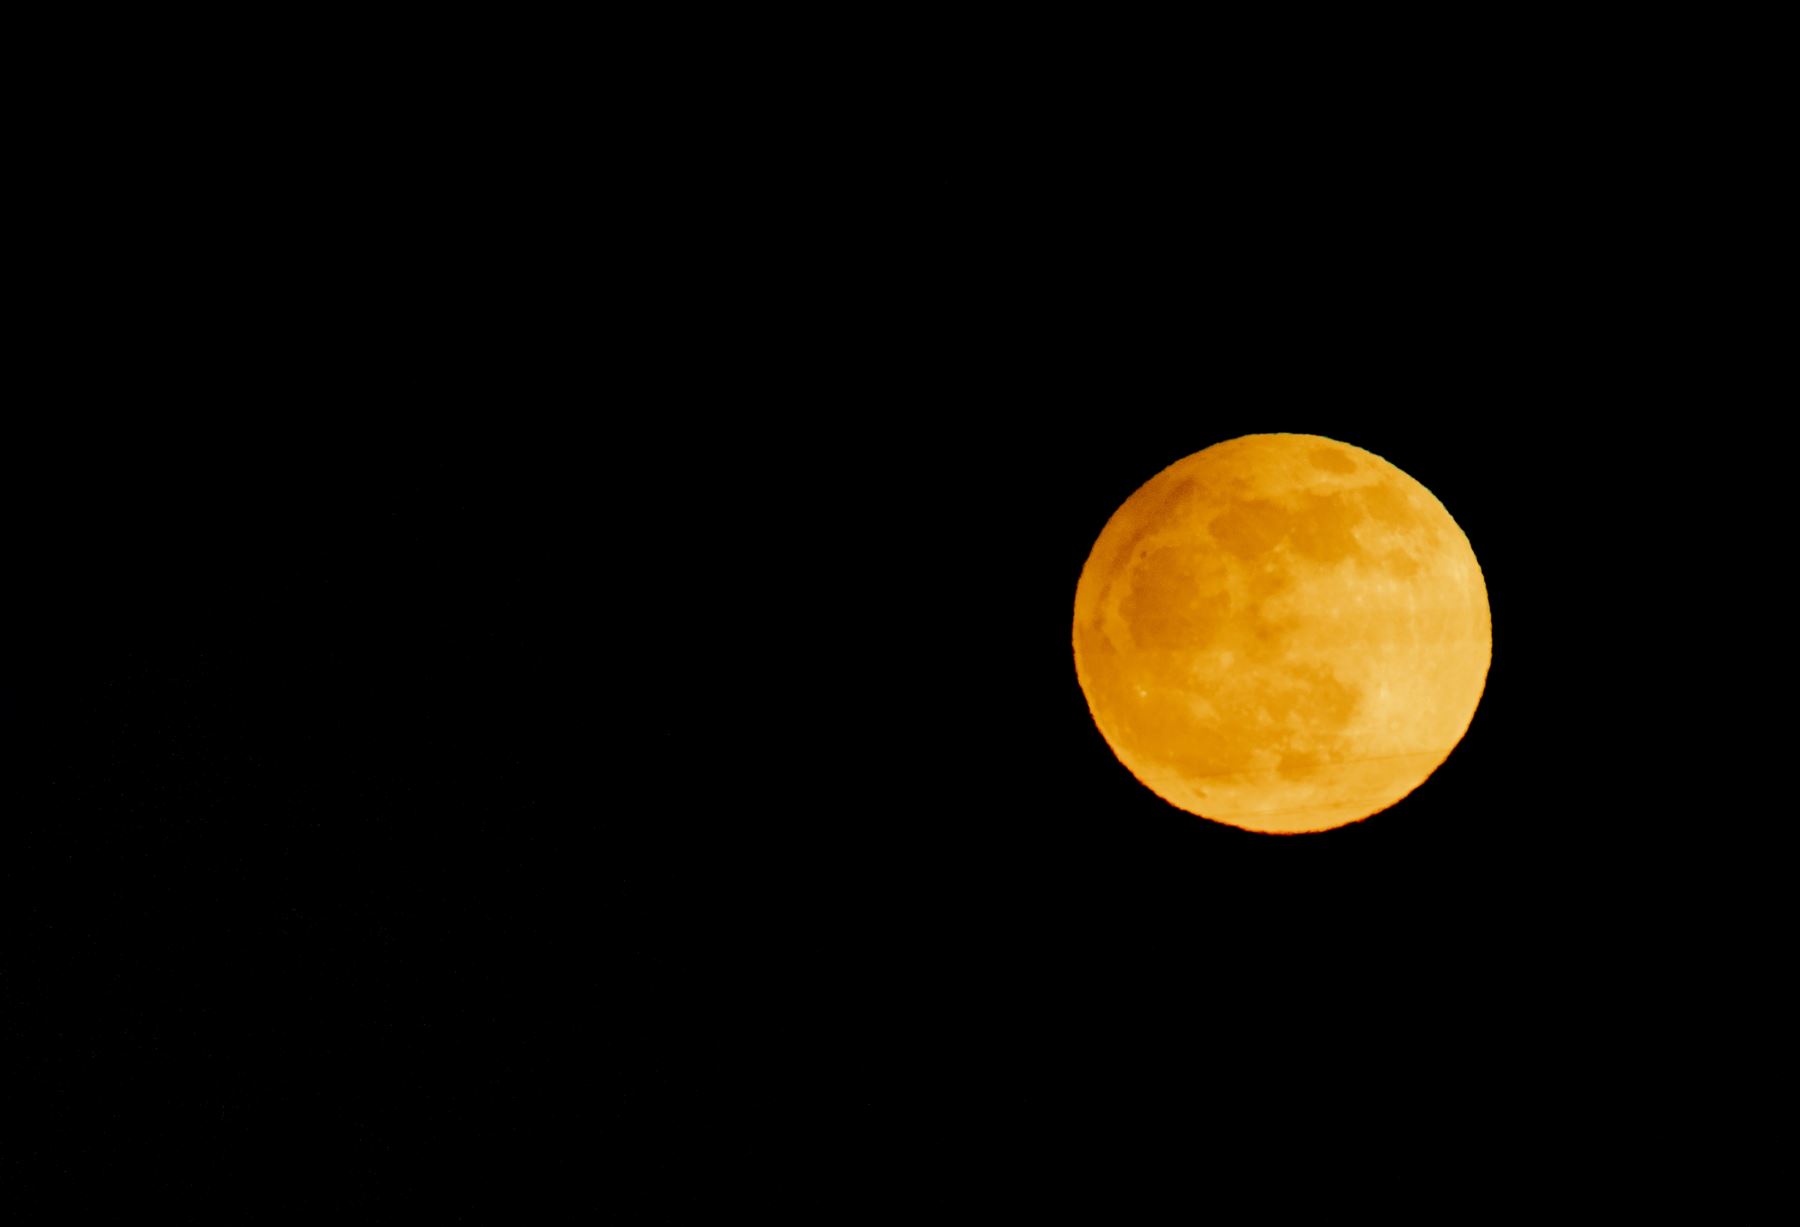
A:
[(556, 679), (293, 890)]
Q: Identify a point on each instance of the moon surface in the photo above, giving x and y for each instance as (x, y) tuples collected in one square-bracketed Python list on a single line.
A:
[(1282, 632)]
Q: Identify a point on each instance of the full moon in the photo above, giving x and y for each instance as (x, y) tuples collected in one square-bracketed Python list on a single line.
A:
[(1282, 632)]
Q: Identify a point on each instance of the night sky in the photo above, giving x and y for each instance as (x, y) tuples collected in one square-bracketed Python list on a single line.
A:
[(528, 693), (294, 904)]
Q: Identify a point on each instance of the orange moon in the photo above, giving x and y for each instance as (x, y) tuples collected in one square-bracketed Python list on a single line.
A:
[(1282, 632)]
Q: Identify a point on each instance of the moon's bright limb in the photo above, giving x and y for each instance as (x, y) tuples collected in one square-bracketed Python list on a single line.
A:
[(1282, 632)]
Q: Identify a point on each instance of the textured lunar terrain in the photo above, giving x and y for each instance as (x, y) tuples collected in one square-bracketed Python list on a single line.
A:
[(1282, 632)]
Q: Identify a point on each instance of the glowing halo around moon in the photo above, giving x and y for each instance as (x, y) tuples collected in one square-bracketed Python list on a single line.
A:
[(1282, 632)]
